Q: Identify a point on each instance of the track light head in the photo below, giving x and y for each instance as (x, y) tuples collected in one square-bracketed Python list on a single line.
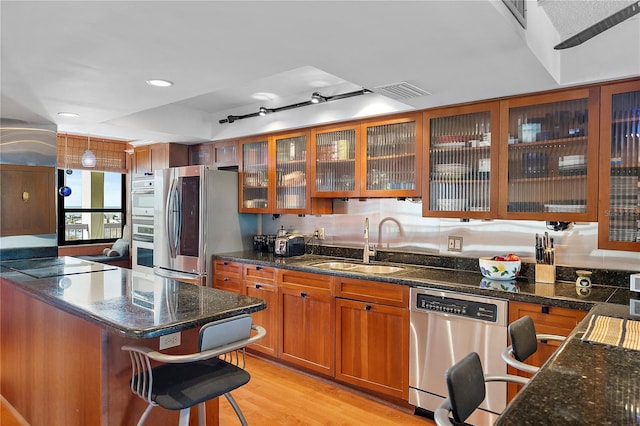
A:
[(231, 118), (316, 98), (262, 111)]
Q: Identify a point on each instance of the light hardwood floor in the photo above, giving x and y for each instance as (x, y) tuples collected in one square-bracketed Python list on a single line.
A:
[(278, 395)]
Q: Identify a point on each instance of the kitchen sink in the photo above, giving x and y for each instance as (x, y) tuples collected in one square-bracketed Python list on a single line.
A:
[(358, 267)]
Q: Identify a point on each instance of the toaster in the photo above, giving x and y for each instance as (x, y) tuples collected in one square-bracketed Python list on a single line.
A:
[(289, 245)]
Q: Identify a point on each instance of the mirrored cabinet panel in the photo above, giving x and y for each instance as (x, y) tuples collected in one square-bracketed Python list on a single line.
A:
[(619, 218), (551, 156), (254, 176), (459, 161), (291, 172)]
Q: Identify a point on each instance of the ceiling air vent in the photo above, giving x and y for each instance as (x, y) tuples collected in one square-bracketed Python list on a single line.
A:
[(400, 91)]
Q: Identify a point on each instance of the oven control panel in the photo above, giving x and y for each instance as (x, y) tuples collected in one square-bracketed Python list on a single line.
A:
[(464, 308)]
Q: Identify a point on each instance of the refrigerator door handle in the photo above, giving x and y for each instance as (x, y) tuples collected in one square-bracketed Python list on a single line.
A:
[(173, 219), (184, 277)]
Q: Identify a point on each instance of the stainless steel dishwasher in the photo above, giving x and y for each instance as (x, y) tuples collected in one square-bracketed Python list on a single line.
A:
[(445, 326)]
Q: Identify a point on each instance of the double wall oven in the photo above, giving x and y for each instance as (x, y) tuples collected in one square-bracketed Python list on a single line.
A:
[(142, 221)]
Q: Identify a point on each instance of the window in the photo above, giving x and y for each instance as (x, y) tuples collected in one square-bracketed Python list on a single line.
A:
[(518, 9), (95, 210)]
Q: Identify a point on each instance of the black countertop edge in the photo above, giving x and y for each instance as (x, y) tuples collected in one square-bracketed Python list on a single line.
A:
[(561, 294)]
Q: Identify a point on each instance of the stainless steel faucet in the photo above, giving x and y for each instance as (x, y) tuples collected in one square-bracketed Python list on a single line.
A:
[(369, 250), (388, 219)]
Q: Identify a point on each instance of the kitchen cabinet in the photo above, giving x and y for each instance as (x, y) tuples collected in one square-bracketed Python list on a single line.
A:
[(335, 151), (227, 275), (226, 153), (372, 336), (260, 281), (549, 156), (374, 158), (392, 156), (200, 154), (547, 320), (461, 162), (28, 200), (307, 322), (619, 207), (273, 176), (148, 158)]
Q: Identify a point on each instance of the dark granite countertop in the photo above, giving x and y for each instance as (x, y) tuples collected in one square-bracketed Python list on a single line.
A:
[(582, 383), (561, 294), (120, 300)]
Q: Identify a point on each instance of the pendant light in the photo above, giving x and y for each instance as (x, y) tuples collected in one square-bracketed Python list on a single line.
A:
[(88, 159), (65, 191)]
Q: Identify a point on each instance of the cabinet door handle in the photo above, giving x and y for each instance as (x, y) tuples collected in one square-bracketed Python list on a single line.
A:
[(225, 279), (258, 285), (225, 263), (258, 268), (303, 295), (367, 308), (544, 310)]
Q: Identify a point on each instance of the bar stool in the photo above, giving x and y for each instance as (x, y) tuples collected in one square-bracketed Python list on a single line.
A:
[(524, 343), (466, 387), (183, 381)]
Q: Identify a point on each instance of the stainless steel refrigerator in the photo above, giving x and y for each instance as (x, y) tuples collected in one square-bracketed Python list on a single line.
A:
[(196, 215)]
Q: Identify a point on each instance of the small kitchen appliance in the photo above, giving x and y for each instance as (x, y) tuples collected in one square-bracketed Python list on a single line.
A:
[(289, 245)]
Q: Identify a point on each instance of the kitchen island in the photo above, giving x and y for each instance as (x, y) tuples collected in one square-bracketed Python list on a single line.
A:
[(62, 324), (583, 382)]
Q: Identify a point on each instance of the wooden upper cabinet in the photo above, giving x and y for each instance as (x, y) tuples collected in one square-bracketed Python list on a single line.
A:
[(619, 207), (148, 158), (274, 176), (391, 156), (28, 200), (459, 175), (201, 154), (549, 156), (335, 154)]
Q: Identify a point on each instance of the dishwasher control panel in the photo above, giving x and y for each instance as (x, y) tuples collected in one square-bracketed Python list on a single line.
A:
[(464, 308)]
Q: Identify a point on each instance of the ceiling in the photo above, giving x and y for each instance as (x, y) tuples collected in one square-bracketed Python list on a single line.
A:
[(93, 58)]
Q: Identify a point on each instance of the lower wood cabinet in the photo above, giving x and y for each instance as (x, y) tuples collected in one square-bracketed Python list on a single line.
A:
[(307, 323), (372, 336), (547, 320), (260, 281)]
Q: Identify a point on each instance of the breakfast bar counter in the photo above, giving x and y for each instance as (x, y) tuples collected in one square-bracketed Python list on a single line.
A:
[(62, 324), (586, 382)]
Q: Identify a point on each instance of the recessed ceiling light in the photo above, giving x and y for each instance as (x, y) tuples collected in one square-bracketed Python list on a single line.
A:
[(159, 83), (68, 114)]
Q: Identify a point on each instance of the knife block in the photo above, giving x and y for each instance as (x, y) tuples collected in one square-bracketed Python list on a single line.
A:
[(545, 273)]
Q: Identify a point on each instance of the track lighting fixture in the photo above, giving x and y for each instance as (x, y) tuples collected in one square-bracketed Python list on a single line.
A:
[(315, 98)]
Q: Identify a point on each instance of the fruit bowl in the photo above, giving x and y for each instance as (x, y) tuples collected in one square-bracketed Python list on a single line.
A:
[(500, 267)]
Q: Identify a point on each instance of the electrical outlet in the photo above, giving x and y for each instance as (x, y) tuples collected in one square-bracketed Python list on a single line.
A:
[(169, 340), (320, 233), (454, 243)]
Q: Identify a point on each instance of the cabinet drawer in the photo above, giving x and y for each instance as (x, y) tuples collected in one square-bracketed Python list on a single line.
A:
[(259, 273), (299, 280), (227, 268), (372, 291), (234, 285)]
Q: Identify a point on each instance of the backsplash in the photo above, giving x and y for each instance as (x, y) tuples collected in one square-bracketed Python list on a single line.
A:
[(398, 226)]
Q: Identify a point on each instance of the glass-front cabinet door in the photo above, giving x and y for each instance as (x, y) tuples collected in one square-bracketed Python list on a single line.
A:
[(254, 177), (460, 164), (392, 157), (335, 150), (291, 173), (619, 211), (549, 157)]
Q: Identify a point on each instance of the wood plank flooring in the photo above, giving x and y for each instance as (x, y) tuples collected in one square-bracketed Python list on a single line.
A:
[(278, 395)]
